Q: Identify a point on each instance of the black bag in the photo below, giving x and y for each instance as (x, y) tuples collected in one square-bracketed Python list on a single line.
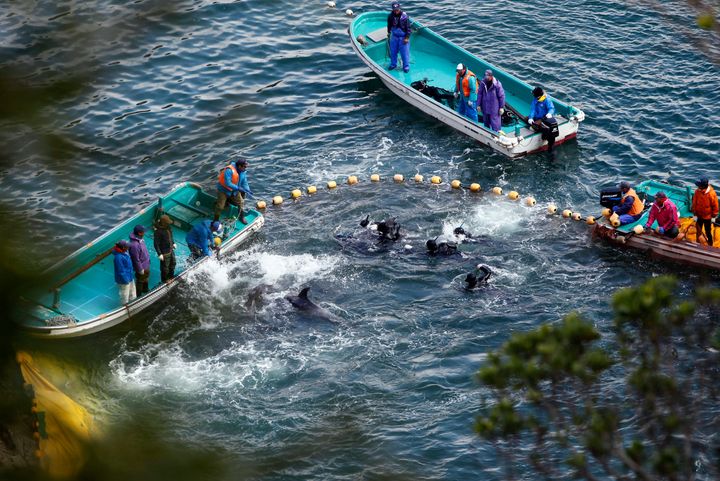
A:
[(438, 94)]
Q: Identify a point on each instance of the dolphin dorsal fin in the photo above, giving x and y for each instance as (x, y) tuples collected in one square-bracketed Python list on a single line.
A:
[(304, 293)]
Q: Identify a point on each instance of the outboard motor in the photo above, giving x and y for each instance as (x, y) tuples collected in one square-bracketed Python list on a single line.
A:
[(610, 197), (551, 131)]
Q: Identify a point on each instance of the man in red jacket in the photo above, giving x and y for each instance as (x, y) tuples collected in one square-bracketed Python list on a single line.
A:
[(705, 208)]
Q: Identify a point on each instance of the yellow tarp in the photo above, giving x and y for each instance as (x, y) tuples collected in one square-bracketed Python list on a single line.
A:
[(63, 427), (688, 231)]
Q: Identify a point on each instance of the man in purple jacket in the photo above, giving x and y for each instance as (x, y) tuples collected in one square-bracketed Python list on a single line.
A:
[(491, 101), (140, 260)]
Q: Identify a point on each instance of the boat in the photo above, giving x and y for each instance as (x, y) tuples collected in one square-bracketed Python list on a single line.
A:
[(433, 60), (684, 249), (79, 296)]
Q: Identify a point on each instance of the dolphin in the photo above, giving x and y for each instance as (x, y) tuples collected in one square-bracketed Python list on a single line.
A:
[(302, 303), (256, 297)]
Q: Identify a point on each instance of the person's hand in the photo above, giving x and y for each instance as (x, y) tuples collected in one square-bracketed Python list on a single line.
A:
[(470, 104), (695, 219), (457, 94), (548, 116), (615, 209), (501, 111), (161, 257), (531, 121), (661, 230), (406, 40), (647, 228), (174, 246)]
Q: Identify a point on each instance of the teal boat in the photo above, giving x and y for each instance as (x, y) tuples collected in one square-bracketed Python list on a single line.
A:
[(684, 249), (79, 295), (433, 60)]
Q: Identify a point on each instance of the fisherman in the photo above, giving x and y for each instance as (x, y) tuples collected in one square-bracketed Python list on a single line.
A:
[(542, 116), (201, 237), (478, 277), (398, 28), (705, 208), (232, 188), (140, 260), (491, 101), (165, 247), (124, 272), (466, 90), (630, 208), (666, 214)]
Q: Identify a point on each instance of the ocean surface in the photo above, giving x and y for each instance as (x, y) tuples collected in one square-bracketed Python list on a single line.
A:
[(174, 89)]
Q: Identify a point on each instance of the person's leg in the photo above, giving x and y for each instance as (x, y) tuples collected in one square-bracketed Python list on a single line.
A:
[(471, 112), (672, 233), (138, 284), (171, 266), (495, 122), (394, 47), (626, 219), (462, 106), (238, 200), (707, 224), (164, 264), (195, 252), (124, 293), (405, 54), (486, 120), (220, 204), (133, 292)]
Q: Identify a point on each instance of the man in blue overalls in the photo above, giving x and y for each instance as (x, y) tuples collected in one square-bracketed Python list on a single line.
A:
[(398, 27)]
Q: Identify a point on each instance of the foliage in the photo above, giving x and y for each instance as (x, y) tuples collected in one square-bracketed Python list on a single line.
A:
[(642, 407)]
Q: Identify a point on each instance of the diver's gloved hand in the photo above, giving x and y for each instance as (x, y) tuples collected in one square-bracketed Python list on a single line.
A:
[(548, 116), (661, 230), (161, 257)]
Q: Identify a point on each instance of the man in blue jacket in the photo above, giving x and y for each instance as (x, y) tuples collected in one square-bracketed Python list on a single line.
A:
[(232, 188), (398, 28), (124, 272), (542, 116), (201, 237)]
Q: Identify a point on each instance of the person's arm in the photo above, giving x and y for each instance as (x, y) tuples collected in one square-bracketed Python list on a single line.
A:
[(693, 206), (156, 242), (625, 207), (135, 257), (714, 204), (228, 179), (406, 26), (243, 185), (675, 217), (389, 24), (651, 217), (501, 96), (533, 111), (208, 240), (550, 107)]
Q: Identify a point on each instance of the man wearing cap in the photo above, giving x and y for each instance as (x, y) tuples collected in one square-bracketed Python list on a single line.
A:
[(666, 214), (232, 188), (705, 208), (542, 116), (123, 272), (398, 28), (165, 247), (140, 259), (491, 101), (201, 237), (466, 90), (630, 208)]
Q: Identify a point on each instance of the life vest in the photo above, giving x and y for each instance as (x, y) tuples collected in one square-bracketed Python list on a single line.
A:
[(235, 177), (637, 206), (466, 83)]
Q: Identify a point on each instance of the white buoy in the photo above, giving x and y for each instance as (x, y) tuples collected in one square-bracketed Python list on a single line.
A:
[(530, 201), (330, 4), (398, 178), (576, 216), (552, 209), (349, 12), (375, 177), (418, 178), (497, 190), (566, 213), (638, 229)]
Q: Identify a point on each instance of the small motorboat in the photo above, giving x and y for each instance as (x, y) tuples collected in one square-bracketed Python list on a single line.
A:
[(686, 248), (433, 60), (79, 296)]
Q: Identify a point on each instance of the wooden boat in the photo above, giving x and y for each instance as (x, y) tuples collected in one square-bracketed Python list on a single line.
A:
[(78, 295), (434, 59), (684, 249)]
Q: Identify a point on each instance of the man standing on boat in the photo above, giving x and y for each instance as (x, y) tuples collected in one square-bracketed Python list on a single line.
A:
[(140, 260), (398, 27), (705, 208), (666, 214), (630, 208), (491, 100), (466, 90), (123, 272), (165, 247), (232, 188)]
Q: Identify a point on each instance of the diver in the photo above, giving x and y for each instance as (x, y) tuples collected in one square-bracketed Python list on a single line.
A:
[(478, 277), (463, 236), (435, 248), (389, 229)]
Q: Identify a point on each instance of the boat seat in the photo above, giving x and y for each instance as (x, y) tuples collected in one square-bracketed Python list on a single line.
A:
[(186, 214), (378, 35)]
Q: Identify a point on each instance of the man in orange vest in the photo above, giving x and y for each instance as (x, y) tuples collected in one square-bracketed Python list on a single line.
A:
[(630, 208), (232, 188), (466, 91), (705, 207)]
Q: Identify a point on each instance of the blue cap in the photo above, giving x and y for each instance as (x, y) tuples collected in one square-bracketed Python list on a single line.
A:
[(215, 226), (122, 244), (702, 182), (139, 229), (395, 5), (660, 195)]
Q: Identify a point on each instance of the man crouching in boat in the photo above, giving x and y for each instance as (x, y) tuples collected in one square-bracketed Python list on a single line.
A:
[(466, 88), (398, 27), (201, 237), (630, 208), (666, 214), (542, 117)]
